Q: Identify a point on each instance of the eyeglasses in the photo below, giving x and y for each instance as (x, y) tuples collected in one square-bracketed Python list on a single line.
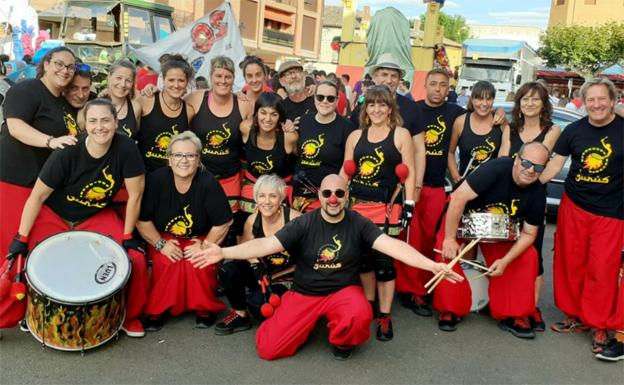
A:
[(340, 193), (329, 98), (527, 164), (59, 65), (177, 156)]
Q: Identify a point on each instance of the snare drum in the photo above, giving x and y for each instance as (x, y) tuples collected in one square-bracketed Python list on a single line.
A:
[(75, 290), (489, 227)]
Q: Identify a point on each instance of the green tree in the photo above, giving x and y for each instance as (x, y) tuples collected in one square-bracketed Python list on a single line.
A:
[(583, 49), (455, 27)]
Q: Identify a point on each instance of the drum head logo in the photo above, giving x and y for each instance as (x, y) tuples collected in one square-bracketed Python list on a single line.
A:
[(105, 272)]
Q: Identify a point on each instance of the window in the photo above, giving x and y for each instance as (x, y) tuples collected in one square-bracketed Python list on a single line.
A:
[(560, 2), (162, 26), (139, 27)]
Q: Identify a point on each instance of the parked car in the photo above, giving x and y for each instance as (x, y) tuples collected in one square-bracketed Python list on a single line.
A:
[(554, 190)]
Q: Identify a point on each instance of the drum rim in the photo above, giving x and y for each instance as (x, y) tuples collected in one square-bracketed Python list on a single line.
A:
[(65, 302)]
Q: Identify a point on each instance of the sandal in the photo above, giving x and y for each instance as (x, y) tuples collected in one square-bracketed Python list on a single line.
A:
[(569, 325), (600, 341)]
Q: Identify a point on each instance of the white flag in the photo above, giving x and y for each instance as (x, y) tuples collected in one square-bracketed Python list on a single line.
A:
[(213, 35)]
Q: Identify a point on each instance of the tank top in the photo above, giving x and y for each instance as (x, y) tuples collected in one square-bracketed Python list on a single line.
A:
[(128, 125), (375, 177), (273, 161), (156, 132), (279, 261), (480, 147), (517, 142), (221, 139)]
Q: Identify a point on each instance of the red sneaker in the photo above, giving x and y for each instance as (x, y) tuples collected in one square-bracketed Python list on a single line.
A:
[(133, 328)]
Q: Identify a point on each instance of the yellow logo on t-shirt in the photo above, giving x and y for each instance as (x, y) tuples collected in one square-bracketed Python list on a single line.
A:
[(328, 255), (502, 208), (93, 193), (434, 133), (310, 150), (263, 167), (595, 160), (369, 166), (126, 130), (70, 123), (216, 140), (181, 225), (161, 143), (482, 153)]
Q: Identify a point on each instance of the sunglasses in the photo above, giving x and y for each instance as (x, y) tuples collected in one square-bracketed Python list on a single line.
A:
[(527, 164), (329, 98), (340, 193)]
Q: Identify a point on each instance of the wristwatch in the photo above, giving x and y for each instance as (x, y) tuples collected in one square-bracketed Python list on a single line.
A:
[(160, 244)]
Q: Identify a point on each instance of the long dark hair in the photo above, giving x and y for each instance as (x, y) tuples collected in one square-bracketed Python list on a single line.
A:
[(517, 118), (177, 62), (48, 57), (252, 59), (267, 100)]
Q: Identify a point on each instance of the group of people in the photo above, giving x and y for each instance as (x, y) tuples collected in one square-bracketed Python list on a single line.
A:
[(334, 215)]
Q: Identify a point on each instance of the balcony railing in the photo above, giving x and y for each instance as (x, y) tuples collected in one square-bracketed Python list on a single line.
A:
[(278, 38)]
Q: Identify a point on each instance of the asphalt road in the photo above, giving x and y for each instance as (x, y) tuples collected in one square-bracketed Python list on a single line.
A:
[(478, 352)]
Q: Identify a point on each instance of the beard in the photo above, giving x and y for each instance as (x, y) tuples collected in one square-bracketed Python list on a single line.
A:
[(294, 88)]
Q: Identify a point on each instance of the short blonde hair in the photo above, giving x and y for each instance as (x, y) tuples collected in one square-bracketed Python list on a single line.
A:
[(270, 181), (185, 136)]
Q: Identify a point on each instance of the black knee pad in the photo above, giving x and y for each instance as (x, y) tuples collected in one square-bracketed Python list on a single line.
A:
[(368, 264), (384, 268), (229, 273)]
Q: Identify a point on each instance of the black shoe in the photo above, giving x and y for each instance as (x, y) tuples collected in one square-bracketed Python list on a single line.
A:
[(233, 323), (153, 323), (614, 351), (420, 306), (23, 325), (342, 353), (205, 320), (448, 322), (536, 320), (220, 292), (384, 328), (519, 327)]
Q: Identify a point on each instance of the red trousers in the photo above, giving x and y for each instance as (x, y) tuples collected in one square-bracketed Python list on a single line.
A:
[(105, 222), (587, 259), (511, 294), (179, 287), (348, 312), (616, 321), (12, 200), (421, 235)]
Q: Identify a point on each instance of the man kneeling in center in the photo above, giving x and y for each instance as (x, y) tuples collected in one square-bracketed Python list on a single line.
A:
[(328, 244)]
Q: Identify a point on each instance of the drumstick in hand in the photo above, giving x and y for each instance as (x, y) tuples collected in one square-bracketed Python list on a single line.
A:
[(437, 276), (469, 262), (452, 264)]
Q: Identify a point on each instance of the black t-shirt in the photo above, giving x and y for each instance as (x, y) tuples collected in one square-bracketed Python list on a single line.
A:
[(187, 215), (516, 141), (498, 194), (595, 181), (128, 125), (278, 262), (328, 255), (407, 109), (437, 122), (33, 103), (264, 162), (321, 148), (84, 185), (479, 148), (299, 110)]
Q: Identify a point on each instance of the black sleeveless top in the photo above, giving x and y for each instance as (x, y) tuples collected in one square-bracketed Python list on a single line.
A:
[(516, 141), (273, 161), (274, 262), (128, 125), (221, 139), (375, 178), (480, 147), (156, 132)]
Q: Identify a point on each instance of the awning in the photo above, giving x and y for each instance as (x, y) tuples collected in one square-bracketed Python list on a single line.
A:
[(277, 15)]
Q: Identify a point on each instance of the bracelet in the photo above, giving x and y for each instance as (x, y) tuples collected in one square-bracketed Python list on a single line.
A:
[(418, 187), (21, 238), (409, 202), (160, 244), (48, 142)]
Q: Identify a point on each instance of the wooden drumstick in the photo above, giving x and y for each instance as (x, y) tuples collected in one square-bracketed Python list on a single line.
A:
[(479, 276), (452, 264), (461, 254), (469, 262)]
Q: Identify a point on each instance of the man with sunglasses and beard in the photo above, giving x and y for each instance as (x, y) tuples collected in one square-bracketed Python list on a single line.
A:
[(500, 186), (327, 245), (298, 103)]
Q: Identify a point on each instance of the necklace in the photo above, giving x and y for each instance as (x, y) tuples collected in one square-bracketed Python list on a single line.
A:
[(167, 104), (118, 110)]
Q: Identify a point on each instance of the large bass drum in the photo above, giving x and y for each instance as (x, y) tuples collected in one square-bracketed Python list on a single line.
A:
[(75, 281), (489, 227)]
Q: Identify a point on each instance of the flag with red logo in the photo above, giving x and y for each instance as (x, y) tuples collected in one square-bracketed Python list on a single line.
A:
[(213, 35)]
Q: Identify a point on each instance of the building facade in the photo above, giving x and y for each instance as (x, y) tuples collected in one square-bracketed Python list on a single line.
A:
[(586, 12)]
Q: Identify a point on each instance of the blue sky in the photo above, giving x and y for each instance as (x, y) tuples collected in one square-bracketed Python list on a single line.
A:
[(525, 12)]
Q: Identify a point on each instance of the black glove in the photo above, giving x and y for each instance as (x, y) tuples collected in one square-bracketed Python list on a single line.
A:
[(259, 270), (406, 215), (16, 248), (134, 244)]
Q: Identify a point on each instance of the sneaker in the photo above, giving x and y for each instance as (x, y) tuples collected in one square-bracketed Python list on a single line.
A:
[(536, 320), (384, 327), (23, 325), (233, 323), (599, 341), (519, 327), (448, 322), (342, 353), (153, 323), (418, 305), (205, 320), (569, 325), (133, 328), (614, 351)]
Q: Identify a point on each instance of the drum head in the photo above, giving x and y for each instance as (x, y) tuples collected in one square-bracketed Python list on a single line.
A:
[(479, 287), (77, 267)]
